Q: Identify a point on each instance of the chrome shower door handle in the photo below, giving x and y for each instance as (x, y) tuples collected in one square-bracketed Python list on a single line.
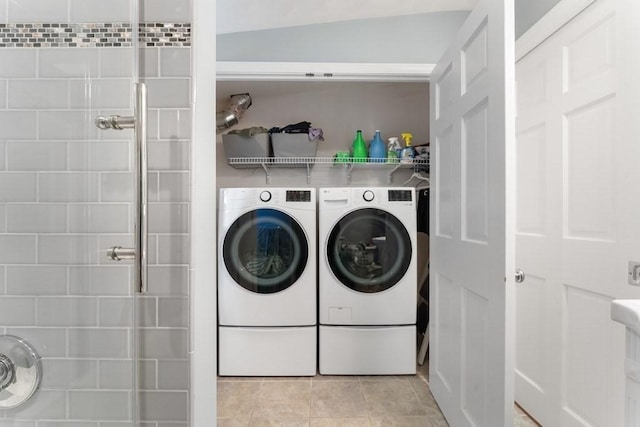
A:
[(137, 122)]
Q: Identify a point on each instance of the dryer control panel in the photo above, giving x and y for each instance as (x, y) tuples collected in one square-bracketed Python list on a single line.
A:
[(298, 196), (400, 195)]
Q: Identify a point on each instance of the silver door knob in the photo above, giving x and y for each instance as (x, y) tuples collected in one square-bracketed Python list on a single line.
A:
[(520, 276), (7, 372)]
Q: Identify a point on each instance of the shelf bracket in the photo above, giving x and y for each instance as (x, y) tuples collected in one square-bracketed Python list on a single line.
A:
[(266, 172), (391, 172), (349, 170), (308, 173)]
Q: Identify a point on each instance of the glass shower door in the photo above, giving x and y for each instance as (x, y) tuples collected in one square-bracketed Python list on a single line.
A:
[(67, 194)]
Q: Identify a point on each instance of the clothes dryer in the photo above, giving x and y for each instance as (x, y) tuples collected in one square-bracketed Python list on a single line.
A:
[(367, 281), (267, 282)]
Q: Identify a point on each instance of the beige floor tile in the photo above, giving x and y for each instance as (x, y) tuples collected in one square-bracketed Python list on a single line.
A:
[(340, 422), (232, 407), (338, 408), (233, 422), (239, 379), (341, 390), (279, 422), (336, 378), (285, 390), (239, 389), (418, 421), (402, 407), (281, 409), (385, 389)]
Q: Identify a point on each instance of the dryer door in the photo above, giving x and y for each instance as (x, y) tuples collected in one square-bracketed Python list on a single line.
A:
[(265, 251), (369, 250)]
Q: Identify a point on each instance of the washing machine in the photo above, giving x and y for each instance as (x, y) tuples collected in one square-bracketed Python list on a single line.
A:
[(367, 281), (267, 304)]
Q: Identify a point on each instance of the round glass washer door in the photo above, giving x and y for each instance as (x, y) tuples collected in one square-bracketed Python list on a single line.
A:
[(265, 251), (369, 250)]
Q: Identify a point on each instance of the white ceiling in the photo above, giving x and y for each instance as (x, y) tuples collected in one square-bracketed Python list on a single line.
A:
[(250, 15)]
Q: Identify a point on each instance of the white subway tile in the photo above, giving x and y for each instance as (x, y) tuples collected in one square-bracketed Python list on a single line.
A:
[(99, 343), (116, 374), (3, 146), (152, 188), (100, 280), (38, 94), (115, 312), (69, 187), (17, 311), (2, 282), (3, 14), (116, 187), (67, 423), (147, 312), (153, 249), (67, 311), (48, 342), (69, 62), (166, 11), (99, 218), (100, 405), (175, 62), (173, 374), (148, 374), (3, 94), (175, 124), (174, 187), (36, 156), (148, 61), (173, 249), (36, 218), (69, 373), (168, 218), (173, 312), (67, 125), (169, 155), (152, 124), (116, 61), (3, 218), (168, 93), (99, 156), (17, 249), (164, 405), (13, 423), (18, 124), (18, 63), (67, 249), (100, 11), (38, 11), (36, 280), (18, 187), (163, 343), (168, 280), (49, 405), (100, 93)]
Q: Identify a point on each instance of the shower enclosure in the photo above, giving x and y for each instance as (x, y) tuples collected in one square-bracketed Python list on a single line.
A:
[(103, 353)]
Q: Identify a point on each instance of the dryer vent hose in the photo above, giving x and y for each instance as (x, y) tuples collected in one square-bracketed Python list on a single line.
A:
[(232, 114)]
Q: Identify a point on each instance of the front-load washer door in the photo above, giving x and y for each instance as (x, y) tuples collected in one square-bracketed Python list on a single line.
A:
[(265, 251), (369, 250)]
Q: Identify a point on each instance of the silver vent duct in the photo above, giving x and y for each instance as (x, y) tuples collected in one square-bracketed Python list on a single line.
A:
[(232, 114)]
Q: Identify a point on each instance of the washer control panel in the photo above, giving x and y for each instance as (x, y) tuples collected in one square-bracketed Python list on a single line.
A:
[(298, 196)]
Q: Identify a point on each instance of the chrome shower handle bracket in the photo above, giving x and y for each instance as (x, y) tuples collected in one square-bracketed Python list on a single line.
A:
[(115, 122), (137, 122)]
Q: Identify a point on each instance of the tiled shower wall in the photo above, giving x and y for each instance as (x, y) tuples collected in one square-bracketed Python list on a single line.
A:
[(65, 196)]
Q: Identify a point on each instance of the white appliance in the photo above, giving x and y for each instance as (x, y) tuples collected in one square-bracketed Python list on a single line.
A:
[(267, 282), (367, 281)]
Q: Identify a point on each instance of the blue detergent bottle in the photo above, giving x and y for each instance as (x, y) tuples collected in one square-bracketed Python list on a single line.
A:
[(377, 149)]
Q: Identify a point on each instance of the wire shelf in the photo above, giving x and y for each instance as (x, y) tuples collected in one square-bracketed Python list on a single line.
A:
[(348, 163)]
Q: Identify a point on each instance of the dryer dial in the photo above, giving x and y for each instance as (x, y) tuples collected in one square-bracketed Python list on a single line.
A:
[(265, 196), (368, 196)]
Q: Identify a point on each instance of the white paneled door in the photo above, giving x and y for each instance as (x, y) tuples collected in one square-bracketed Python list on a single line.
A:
[(577, 221), (472, 264)]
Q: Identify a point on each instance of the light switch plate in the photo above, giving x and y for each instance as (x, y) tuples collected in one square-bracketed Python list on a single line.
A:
[(633, 273)]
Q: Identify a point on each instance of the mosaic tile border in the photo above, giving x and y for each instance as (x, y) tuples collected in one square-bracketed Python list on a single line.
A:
[(116, 34)]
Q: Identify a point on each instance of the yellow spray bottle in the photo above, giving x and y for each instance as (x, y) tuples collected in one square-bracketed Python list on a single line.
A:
[(408, 152)]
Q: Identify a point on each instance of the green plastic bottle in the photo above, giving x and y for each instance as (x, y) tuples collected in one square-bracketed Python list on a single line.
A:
[(359, 148)]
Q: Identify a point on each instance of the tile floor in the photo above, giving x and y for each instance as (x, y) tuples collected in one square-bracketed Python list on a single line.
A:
[(333, 401)]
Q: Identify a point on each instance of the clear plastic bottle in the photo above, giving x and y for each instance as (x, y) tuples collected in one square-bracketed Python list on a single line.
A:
[(377, 149), (359, 148)]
